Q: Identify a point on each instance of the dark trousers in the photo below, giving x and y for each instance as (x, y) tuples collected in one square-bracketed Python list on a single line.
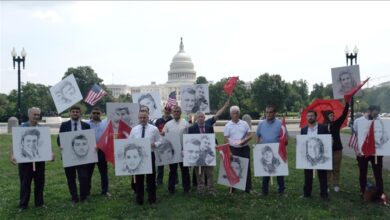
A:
[(322, 177), (279, 179), (160, 174), (151, 185), (376, 168), (26, 175), (185, 177), (84, 175), (103, 170), (244, 152)]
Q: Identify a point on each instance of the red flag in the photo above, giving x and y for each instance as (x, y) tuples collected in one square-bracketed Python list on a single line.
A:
[(123, 130), (224, 151), (106, 143), (283, 141), (368, 148), (348, 95), (230, 84)]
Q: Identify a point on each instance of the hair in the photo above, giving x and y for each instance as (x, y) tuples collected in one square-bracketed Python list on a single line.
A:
[(312, 111), (132, 147), (33, 109), (271, 106), (79, 137), (198, 86), (189, 90), (147, 96), (326, 114), (176, 108), (65, 83), (75, 107), (96, 109), (234, 108), (165, 145), (344, 73), (198, 113), (193, 141), (123, 108), (238, 161), (33, 132), (274, 161), (320, 146), (144, 108), (372, 108)]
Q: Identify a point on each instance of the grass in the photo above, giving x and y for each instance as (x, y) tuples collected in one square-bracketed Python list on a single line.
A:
[(240, 205)]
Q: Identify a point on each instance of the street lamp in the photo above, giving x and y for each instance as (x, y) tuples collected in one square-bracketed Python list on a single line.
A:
[(19, 59), (351, 57)]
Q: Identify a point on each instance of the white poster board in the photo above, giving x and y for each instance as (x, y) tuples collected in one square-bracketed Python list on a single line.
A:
[(344, 79), (381, 135), (150, 99), (31, 144), (78, 147), (132, 156), (65, 93), (314, 152), (199, 150), (127, 112), (169, 151), (240, 167), (267, 161), (195, 98)]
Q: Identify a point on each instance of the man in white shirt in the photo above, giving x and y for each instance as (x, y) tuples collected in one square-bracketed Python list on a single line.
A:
[(237, 134), (146, 130), (178, 127)]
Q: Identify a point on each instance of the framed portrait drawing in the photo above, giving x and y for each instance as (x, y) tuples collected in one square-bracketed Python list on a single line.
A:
[(314, 152), (267, 162), (65, 93), (169, 151), (240, 167), (127, 112), (344, 79), (195, 98), (381, 135), (31, 144), (78, 147), (199, 150), (132, 156), (152, 100)]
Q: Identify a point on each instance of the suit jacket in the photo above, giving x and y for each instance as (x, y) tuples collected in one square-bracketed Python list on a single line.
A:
[(322, 129), (194, 129), (67, 126)]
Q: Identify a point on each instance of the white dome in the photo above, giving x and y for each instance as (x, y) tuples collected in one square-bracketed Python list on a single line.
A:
[(181, 68)]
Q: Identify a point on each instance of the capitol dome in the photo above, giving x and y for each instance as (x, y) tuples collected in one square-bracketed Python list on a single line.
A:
[(182, 68)]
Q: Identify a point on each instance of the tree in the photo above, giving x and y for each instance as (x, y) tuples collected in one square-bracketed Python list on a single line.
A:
[(321, 92), (124, 98), (297, 95), (201, 80)]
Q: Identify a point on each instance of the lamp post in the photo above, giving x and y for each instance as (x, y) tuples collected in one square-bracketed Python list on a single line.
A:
[(19, 59), (351, 57)]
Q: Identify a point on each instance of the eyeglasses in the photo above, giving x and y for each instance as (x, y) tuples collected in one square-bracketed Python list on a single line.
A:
[(96, 113)]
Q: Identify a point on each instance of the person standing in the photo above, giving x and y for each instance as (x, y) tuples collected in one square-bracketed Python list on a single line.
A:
[(313, 128), (237, 134), (31, 171), (334, 127), (82, 171), (178, 127), (146, 130), (268, 131), (160, 123), (99, 126), (376, 161)]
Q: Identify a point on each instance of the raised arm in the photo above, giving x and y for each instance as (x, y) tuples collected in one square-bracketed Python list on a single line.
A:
[(342, 118), (222, 110)]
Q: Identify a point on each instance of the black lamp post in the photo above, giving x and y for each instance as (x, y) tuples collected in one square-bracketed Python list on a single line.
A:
[(19, 59), (351, 57)]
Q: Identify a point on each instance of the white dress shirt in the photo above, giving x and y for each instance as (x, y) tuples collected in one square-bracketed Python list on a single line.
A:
[(312, 131), (236, 132), (151, 132), (78, 125)]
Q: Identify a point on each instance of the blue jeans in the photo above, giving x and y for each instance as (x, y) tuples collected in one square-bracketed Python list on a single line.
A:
[(280, 180)]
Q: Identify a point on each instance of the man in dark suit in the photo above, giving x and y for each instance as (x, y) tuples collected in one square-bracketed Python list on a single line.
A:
[(313, 128), (83, 171), (205, 175)]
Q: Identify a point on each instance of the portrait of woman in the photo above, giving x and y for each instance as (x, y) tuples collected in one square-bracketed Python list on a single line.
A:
[(269, 161), (315, 151)]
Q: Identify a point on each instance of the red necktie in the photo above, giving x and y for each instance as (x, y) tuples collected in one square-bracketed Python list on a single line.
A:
[(201, 129)]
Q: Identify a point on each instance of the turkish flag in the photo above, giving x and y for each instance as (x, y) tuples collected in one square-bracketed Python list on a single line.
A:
[(224, 151), (123, 130), (106, 143), (283, 141), (230, 84), (348, 95), (368, 148)]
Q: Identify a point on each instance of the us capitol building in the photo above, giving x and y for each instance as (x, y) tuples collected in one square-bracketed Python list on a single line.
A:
[(181, 73)]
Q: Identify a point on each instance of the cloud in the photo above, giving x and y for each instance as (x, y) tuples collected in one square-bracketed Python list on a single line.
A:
[(49, 16)]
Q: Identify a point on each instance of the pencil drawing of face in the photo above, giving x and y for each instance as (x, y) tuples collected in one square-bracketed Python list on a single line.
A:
[(122, 114), (148, 101), (132, 157), (66, 92), (29, 144), (235, 163), (165, 151), (315, 151), (192, 151), (80, 146), (380, 133), (347, 82), (268, 160), (188, 100)]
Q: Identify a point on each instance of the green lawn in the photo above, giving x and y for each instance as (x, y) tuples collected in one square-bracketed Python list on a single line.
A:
[(240, 205)]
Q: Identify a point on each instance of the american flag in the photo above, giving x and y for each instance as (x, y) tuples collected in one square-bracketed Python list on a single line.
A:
[(171, 100), (94, 95), (353, 141)]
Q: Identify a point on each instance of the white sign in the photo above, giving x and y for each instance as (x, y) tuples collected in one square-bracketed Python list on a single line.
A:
[(65, 93), (267, 162), (314, 152), (199, 150)]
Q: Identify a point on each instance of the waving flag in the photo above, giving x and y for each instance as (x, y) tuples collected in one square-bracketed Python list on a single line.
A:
[(106, 143), (353, 141), (224, 151), (283, 141), (171, 100), (123, 130), (230, 85), (94, 95), (368, 148), (348, 95)]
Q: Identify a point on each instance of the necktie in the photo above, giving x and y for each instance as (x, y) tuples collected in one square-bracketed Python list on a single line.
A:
[(75, 126), (201, 129), (143, 132)]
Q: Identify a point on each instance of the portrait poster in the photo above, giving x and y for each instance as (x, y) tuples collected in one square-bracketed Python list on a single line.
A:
[(240, 167), (344, 79), (78, 147), (195, 98), (31, 144), (133, 156), (127, 112), (381, 135), (150, 99), (267, 161), (65, 93), (169, 151), (199, 150), (314, 152)]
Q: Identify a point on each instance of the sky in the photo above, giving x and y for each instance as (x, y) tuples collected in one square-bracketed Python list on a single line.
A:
[(133, 43)]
